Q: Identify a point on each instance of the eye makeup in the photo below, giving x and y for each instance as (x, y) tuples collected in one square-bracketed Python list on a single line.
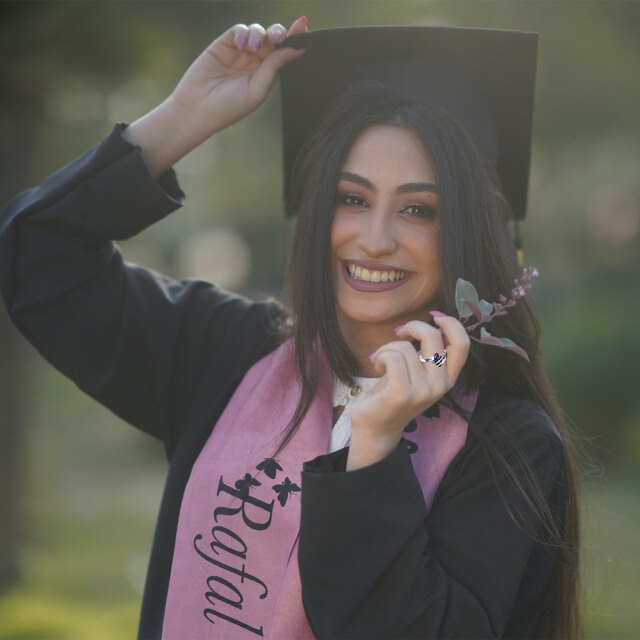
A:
[(427, 210)]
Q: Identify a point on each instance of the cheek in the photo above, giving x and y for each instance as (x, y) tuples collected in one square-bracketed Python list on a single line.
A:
[(425, 251), (341, 231)]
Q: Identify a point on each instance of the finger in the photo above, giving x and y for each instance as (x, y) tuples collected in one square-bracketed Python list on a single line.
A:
[(298, 26), (284, 54), (457, 338), (432, 340), (276, 33), (393, 364), (267, 74), (418, 330), (256, 37), (457, 343), (240, 33), (418, 377)]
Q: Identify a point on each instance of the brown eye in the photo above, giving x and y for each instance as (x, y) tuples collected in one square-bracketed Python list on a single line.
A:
[(347, 197), (422, 211)]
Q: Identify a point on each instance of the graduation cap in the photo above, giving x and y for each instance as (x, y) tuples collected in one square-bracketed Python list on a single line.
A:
[(484, 78)]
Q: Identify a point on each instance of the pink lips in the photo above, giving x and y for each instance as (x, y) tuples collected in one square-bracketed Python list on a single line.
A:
[(363, 285)]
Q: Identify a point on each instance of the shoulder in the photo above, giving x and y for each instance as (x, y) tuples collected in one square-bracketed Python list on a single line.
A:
[(495, 413), (263, 328), (507, 431)]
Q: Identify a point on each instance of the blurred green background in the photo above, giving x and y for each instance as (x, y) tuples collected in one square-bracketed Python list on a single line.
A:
[(80, 488)]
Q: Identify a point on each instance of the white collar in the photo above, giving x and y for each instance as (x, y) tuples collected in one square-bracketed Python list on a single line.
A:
[(342, 392)]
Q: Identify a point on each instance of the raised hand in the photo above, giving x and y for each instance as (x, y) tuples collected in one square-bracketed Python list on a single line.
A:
[(234, 74), (408, 386)]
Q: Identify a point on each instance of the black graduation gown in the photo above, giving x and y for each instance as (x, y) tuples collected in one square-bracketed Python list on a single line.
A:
[(166, 355)]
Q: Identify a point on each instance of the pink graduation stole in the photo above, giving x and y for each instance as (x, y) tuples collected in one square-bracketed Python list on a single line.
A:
[(235, 564)]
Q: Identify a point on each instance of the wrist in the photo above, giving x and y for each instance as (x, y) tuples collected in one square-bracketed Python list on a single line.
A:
[(365, 450), (164, 135)]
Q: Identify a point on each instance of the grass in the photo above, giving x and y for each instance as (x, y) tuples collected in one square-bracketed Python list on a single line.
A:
[(611, 555)]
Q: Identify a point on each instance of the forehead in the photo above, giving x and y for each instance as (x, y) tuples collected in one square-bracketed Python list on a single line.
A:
[(388, 152)]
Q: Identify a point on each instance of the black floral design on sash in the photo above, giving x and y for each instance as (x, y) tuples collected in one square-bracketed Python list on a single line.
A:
[(432, 412), (269, 466), (411, 446), (244, 485), (284, 490), (412, 426)]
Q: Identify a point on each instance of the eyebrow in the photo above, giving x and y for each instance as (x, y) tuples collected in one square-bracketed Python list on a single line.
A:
[(408, 187)]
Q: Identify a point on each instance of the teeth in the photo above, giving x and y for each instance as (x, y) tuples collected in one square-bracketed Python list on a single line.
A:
[(359, 273)]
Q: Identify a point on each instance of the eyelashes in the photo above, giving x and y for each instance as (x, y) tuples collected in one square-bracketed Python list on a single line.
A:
[(425, 211)]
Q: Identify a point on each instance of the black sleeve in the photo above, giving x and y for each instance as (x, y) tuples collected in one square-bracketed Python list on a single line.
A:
[(130, 337), (375, 564)]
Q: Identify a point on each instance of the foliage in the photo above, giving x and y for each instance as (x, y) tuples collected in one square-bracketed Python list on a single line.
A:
[(468, 304)]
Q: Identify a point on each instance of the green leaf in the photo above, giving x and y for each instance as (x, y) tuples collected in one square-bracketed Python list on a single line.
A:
[(477, 312), (465, 291), (480, 309), (507, 342), (486, 307), (503, 343)]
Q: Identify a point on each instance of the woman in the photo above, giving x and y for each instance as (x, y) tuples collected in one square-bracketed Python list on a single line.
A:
[(451, 513)]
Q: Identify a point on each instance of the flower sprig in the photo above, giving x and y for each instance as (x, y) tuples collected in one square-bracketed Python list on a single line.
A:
[(468, 304)]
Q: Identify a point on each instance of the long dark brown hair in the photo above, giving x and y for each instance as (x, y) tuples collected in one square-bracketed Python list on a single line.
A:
[(475, 243)]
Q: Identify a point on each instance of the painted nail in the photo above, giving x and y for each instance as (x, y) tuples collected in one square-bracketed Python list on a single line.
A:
[(304, 19), (292, 55), (437, 314), (254, 43), (242, 40), (277, 34), (399, 327), (371, 355)]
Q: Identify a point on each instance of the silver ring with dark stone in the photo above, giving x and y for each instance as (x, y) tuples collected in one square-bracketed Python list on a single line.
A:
[(437, 358)]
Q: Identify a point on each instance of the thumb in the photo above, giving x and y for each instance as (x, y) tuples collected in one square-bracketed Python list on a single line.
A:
[(266, 76)]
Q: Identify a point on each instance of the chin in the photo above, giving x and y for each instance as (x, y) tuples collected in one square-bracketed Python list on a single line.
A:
[(367, 314)]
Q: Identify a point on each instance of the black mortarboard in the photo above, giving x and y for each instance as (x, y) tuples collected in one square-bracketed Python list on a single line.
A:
[(484, 77)]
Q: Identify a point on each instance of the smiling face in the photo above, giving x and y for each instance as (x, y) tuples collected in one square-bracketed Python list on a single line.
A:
[(384, 233)]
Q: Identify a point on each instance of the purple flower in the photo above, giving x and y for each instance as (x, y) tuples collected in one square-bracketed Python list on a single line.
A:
[(467, 293)]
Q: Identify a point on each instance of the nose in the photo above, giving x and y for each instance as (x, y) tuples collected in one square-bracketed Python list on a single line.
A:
[(377, 235)]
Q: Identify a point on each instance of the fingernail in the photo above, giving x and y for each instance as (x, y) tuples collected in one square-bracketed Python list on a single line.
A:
[(371, 355), (277, 34), (242, 40), (292, 55), (304, 19), (399, 327), (254, 43), (437, 314)]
